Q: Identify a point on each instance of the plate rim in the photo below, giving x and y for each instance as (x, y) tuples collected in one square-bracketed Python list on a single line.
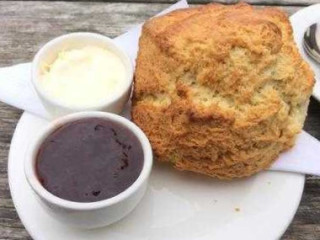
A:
[(9, 166), (299, 14), (25, 115), (33, 234)]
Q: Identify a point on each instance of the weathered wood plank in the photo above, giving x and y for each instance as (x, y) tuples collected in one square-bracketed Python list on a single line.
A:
[(255, 2), (27, 25)]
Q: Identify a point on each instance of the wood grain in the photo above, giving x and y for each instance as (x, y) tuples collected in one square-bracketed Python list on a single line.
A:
[(26, 25), (255, 2)]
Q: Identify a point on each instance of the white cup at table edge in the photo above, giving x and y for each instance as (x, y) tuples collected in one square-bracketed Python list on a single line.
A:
[(92, 214), (49, 52)]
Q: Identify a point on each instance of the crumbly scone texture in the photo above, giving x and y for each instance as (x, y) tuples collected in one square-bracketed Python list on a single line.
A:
[(220, 90)]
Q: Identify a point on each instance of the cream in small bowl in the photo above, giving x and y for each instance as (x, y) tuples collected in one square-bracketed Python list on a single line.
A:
[(89, 169), (82, 71)]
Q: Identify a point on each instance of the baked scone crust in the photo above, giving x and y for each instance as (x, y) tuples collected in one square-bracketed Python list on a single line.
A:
[(220, 90)]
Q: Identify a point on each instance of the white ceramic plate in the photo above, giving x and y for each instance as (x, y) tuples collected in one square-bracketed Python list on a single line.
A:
[(177, 206), (300, 21)]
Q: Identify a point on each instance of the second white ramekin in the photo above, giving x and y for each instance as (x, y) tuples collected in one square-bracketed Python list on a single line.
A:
[(49, 52)]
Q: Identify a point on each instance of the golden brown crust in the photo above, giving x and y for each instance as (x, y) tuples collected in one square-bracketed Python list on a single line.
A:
[(220, 90)]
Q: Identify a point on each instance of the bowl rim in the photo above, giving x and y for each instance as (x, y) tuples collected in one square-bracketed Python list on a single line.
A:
[(30, 157), (110, 45)]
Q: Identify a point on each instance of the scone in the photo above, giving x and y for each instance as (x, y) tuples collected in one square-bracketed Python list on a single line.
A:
[(220, 90)]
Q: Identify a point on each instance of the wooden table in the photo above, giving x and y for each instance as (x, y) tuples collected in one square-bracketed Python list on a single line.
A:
[(26, 25)]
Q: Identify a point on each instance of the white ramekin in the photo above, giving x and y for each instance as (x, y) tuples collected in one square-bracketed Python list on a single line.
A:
[(93, 214), (49, 52)]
